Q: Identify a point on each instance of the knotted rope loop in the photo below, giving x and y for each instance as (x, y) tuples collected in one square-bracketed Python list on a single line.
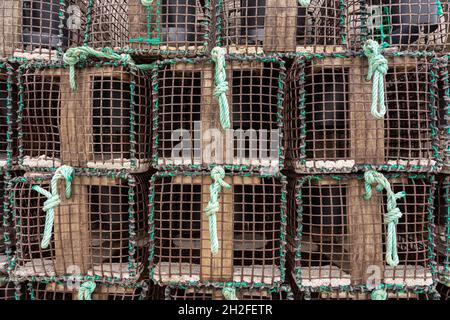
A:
[(229, 293), (378, 67), (304, 3), (217, 174), (221, 85), (53, 200), (379, 294), (392, 215), (86, 290)]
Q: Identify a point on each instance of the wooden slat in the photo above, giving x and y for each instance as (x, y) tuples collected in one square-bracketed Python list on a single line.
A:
[(10, 26), (280, 26)]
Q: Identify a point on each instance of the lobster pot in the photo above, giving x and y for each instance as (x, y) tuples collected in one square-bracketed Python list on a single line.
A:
[(166, 27), (337, 239), (99, 231), (64, 291), (190, 134), (211, 293), (249, 230), (38, 29), (403, 24), (442, 230), (104, 124), (329, 126), (282, 26)]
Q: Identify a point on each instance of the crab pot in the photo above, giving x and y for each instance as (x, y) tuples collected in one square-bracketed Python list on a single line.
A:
[(249, 229), (442, 222), (328, 122), (282, 26), (167, 27), (189, 133), (104, 124), (349, 249), (100, 231), (64, 291)]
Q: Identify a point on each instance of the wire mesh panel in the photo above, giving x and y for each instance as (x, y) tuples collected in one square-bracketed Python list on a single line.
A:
[(338, 241), (189, 133), (329, 126), (9, 290), (257, 26), (403, 24), (101, 230), (442, 221), (250, 230), (104, 124), (443, 95), (167, 27), (8, 110), (38, 29), (444, 291)]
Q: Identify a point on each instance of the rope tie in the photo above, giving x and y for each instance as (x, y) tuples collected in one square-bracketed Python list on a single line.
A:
[(221, 86), (304, 3), (440, 11), (86, 290), (379, 294), (217, 174), (378, 67), (53, 200), (229, 293), (392, 215)]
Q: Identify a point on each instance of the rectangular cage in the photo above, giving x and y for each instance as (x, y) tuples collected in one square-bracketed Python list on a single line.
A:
[(442, 231), (329, 126), (337, 240), (281, 26), (166, 27), (250, 229), (104, 124), (40, 29), (188, 131), (8, 111), (100, 231), (406, 25), (215, 293)]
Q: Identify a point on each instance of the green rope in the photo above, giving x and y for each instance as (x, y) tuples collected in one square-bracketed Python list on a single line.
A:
[(86, 290), (221, 86), (392, 215), (53, 200), (217, 174), (440, 11), (378, 67), (229, 293), (379, 294), (304, 3)]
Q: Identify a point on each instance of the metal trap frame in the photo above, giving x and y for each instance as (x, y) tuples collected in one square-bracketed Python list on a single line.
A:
[(99, 233), (329, 126), (8, 110), (105, 124), (337, 240), (442, 221), (187, 116), (443, 96), (250, 229), (165, 28)]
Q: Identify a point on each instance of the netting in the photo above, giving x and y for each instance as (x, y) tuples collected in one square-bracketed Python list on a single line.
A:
[(330, 126), (338, 240), (8, 290), (100, 231), (104, 124), (442, 221), (167, 27), (250, 229), (188, 126)]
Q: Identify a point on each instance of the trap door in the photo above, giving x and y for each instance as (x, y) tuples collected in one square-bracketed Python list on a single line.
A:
[(144, 23), (280, 26)]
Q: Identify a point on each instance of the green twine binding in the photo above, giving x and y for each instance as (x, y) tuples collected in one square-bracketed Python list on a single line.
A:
[(217, 174), (304, 3), (392, 215), (440, 11), (229, 293), (379, 294), (53, 200), (378, 67), (221, 86), (86, 290)]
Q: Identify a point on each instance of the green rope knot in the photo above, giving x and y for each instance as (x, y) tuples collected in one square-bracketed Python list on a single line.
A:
[(229, 293), (217, 174), (440, 11), (378, 67), (379, 294), (304, 3), (392, 215), (221, 85), (53, 200), (86, 290)]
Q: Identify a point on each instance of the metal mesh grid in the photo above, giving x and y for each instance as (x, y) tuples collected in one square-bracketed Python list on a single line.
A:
[(250, 230), (104, 124), (444, 111), (37, 29), (189, 134), (333, 130), (403, 24), (100, 231), (168, 26), (8, 109), (444, 291), (256, 26), (336, 239), (442, 221), (7, 290)]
